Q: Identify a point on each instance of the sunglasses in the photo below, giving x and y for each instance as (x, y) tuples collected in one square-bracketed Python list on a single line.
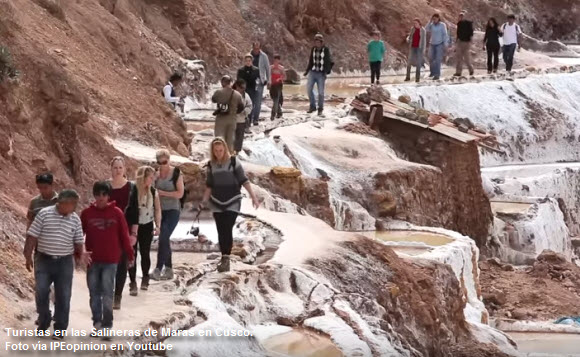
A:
[(162, 162)]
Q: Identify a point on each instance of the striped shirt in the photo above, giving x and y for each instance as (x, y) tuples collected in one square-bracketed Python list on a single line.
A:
[(56, 234)]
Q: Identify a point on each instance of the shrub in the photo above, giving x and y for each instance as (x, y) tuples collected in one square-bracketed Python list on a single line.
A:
[(7, 70)]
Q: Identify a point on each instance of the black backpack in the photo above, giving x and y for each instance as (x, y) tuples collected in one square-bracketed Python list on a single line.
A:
[(232, 164), (174, 178)]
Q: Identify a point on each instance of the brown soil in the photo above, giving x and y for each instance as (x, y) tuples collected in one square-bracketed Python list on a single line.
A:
[(548, 290)]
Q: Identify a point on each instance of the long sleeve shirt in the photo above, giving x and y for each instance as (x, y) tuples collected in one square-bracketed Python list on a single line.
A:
[(169, 94), (438, 33), (107, 234)]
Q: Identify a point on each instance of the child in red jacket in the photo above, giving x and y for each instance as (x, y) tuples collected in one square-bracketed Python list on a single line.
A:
[(106, 237)]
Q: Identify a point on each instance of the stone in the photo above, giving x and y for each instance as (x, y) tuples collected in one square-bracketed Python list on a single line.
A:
[(411, 116), (464, 121), (279, 171), (323, 174), (494, 261), (479, 130), (507, 267), (423, 119), (551, 257), (405, 98), (526, 188), (531, 69), (463, 128), (421, 111), (400, 112), (364, 97), (292, 76), (521, 314), (495, 296), (378, 94)]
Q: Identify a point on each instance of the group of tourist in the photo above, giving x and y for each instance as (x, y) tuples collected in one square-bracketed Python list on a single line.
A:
[(436, 35), (120, 224)]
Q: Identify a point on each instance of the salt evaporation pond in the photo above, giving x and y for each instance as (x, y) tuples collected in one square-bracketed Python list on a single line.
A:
[(510, 207), (428, 238), (301, 343), (547, 344)]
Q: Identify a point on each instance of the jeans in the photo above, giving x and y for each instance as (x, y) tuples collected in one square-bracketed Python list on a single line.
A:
[(46, 272), (463, 55), (319, 78), (375, 71), (492, 51), (416, 54), (224, 222), (239, 141), (169, 220), (436, 57), (121, 277), (101, 283), (276, 94), (257, 103), (252, 93), (508, 55), (144, 238)]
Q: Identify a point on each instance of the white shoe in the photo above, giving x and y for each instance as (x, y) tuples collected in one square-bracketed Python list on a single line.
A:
[(156, 275)]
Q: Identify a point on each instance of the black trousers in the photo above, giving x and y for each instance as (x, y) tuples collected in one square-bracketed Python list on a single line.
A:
[(492, 52), (239, 139), (224, 222), (121, 277), (375, 71), (276, 95), (144, 238)]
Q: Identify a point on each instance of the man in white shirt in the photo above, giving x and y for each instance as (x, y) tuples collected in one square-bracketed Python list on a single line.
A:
[(169, 89), (511, 32)]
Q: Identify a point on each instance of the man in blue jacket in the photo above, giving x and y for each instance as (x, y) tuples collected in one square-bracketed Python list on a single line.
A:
[(259, 60)]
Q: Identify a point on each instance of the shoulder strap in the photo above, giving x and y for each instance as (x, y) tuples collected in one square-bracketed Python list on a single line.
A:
[(175, 176), (232, 162), (503, 26)]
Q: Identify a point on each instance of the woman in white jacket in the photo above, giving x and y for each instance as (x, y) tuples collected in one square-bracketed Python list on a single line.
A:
[(241, 119)]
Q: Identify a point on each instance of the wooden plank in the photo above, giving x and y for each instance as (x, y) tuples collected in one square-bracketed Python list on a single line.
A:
[(372, 117), (405, 120), (491, 148), (453, 133), (400, 105)]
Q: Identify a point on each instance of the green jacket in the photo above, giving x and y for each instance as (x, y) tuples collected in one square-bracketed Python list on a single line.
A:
[(376, 50)]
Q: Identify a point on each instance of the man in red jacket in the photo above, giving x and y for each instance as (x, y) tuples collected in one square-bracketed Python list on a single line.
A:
[(106, 236)]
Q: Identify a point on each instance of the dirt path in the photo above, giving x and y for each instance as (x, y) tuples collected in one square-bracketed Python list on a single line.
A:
[(156, 304)]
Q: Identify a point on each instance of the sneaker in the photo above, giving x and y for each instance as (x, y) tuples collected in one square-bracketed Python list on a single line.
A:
[(455, 75), (167, 274), (471, 73), (106, 333), (488, 72), (319, 112), (417, 80), (96, 328), (435, 78), (133, 288), (378, 82), (311, 110), (224, 264), (145, 283), (431, 75), (272, 118), (59, 336), (247, 131), (495, 70), (117, 302), (156, 275), (279, 116), (407, 79), (256, 123)]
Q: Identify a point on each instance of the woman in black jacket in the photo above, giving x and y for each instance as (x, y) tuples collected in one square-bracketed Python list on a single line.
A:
[(491, 43)]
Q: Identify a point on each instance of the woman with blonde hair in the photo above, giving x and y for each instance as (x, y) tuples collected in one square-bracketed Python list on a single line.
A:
[(144, 209), (169, 185), (225, 177), (120, 193)]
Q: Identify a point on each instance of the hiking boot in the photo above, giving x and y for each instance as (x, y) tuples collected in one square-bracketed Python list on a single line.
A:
[(319, 112), (455, 75), (417, 80), (224, 264), (435, 78), (279, 116), (272, 118), (471, 73), (106, 333), (488, 72), (256, 123), (96, 328), (167, 274), (117, 302), (133, 288), (407, 79), (145, 283), (495, 70), (311, 110), (156, 275), (378, 82)]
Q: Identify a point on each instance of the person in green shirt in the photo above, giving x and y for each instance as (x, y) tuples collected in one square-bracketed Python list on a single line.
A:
[(376, 50)]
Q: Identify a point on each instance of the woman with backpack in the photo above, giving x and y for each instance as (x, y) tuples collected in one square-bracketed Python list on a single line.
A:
[(143, 211), (121, 190), (169, 185), (225, 177)]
